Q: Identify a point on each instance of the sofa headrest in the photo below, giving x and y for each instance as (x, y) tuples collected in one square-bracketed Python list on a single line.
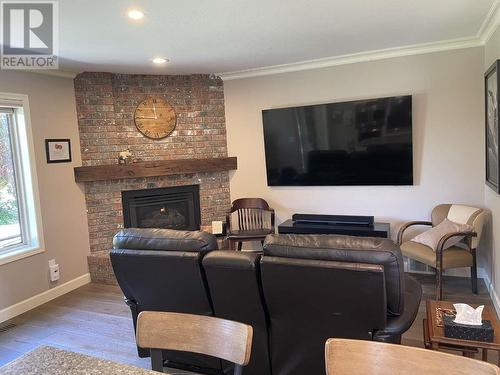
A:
[(324, 247), (164, 239)]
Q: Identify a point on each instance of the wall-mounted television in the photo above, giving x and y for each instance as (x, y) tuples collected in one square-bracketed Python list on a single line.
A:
[(361, 142)]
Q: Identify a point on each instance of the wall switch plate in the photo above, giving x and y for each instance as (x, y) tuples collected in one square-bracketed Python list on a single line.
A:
[(217, 227)]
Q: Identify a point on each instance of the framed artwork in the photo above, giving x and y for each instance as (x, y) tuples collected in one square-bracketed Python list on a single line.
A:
[(492, 88), (58, 150)]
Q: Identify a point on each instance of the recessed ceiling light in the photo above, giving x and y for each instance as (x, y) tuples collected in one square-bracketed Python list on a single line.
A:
[(135, 14), (159, 60)]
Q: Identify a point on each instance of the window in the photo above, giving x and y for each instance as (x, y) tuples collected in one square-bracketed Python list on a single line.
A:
[(19, 213), (10, 229)]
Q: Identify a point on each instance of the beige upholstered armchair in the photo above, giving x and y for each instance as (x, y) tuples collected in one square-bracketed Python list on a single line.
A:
[(461, 255)]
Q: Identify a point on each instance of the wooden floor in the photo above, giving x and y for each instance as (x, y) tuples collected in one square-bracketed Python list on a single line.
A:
[(94, 320)]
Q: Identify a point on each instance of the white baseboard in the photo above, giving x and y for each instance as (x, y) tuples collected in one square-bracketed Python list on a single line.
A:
[(481, 274), (493, 294), (495, 299), (32, 302)]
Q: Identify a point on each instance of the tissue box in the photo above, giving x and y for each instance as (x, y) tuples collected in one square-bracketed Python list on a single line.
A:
[(467, 332)]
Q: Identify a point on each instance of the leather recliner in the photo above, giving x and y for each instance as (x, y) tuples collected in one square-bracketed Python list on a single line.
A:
[(160, 270), (322, 286)]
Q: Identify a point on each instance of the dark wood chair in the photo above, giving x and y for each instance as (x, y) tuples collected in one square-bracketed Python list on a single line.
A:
[(255, 221), (200, 334)]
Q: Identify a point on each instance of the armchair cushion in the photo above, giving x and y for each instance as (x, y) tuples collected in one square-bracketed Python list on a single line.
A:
[(453, 256), (432, 236), (461, 214)]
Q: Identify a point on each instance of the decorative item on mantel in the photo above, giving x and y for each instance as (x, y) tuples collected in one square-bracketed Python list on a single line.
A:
[(125, 157), (467, 324)]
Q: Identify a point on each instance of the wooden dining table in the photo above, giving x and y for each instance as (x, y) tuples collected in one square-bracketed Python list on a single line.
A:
[(46, 360)]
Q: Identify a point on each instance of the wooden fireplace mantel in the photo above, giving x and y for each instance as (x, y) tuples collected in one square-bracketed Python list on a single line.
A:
[(153, 168)]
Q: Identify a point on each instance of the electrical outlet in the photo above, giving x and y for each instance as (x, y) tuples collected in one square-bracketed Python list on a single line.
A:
[(53, 270)]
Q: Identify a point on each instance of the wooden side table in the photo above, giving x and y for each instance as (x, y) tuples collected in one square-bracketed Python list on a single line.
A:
[(435, 339)]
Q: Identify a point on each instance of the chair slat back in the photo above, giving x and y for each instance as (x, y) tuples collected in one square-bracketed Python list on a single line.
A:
[(251, 213), (216, 337), (251, 219), (357, 357)]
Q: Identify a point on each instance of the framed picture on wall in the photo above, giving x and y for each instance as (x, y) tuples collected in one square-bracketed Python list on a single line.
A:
[(58, 150), (492, 88)]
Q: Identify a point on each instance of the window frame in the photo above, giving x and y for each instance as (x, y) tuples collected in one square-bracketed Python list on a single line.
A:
[(23, 152)]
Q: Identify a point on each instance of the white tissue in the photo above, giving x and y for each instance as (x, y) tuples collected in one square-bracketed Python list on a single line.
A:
[(468, 315)]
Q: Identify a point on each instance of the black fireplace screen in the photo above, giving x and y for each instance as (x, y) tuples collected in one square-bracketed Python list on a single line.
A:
[(170, 207)]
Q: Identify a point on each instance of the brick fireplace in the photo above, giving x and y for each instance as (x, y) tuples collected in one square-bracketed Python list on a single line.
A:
[(105, 108)]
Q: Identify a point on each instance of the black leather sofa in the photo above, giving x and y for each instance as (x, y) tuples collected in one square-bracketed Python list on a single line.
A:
[(302, 290)]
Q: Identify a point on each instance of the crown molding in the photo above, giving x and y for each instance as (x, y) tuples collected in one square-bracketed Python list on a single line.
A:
[(488, 27), (490, 24), (353, 58)]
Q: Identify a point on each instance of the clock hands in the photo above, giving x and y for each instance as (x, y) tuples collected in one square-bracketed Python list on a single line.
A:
[(154, 109), (155, 117)]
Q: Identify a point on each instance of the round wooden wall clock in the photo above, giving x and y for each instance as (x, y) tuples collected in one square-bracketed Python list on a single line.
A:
[(155, 118)]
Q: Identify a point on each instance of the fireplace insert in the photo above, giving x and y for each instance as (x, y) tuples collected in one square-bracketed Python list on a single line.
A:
[(169, 207)]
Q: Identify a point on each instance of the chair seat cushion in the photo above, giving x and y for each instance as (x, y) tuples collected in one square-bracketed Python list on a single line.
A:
[(453, 257), (255, 233)]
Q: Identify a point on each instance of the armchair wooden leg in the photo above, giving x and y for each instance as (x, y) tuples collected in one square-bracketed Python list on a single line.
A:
[(473, 272), (439, 284)]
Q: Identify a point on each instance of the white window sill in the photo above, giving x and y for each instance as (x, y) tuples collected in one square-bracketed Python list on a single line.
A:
[(18, 254)]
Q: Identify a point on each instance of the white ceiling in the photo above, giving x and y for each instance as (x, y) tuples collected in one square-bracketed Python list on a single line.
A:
[(207, 36)]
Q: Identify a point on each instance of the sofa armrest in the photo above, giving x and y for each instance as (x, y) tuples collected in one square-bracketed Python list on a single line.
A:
[(397, 325)]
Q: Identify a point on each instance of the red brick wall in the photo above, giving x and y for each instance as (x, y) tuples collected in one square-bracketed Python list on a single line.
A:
[(106, 103), (105, 107)]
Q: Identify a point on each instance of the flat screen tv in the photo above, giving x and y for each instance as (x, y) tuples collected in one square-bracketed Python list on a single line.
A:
[(361, 142)]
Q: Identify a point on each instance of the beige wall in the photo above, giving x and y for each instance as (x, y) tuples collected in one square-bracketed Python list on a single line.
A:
[(448, 133), (53, 115), (491, 199)]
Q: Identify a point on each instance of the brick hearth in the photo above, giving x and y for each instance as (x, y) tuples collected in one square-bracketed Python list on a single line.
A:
[(105, 107)]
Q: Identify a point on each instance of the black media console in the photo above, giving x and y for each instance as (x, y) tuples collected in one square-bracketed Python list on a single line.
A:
[(335, 224)]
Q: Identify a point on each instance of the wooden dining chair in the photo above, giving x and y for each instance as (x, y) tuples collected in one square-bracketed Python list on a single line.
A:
[(358, 357), (255, 220), (225, 339)]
